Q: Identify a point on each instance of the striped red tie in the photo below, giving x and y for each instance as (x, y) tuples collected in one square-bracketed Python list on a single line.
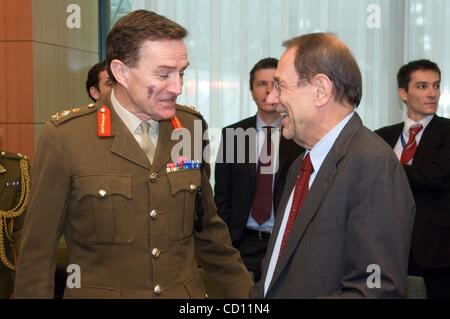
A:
[(300, 192), (410, 148)]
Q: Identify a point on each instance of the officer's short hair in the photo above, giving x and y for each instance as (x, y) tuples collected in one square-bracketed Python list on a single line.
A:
[(129, 32)]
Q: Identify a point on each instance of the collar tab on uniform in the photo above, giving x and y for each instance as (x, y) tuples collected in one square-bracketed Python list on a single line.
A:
[(104, 122)]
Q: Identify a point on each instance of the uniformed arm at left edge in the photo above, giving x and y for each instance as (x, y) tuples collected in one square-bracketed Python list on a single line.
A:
[(379, 228), (44, 222)]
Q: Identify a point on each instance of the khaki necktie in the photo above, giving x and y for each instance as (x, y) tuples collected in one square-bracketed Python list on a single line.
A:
[(147, 144)]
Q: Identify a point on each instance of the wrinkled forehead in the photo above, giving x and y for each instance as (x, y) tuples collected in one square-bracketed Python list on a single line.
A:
[(165, 53)]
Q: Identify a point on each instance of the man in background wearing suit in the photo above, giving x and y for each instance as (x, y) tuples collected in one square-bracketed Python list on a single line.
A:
[(246, 197), (422, 144), (344, 220)]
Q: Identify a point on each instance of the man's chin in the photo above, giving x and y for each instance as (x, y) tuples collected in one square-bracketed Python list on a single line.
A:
[(167, 111), (287, 134)]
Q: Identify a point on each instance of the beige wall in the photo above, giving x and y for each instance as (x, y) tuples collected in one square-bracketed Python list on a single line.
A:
[(62, 56), (43, 65), (16, 77)]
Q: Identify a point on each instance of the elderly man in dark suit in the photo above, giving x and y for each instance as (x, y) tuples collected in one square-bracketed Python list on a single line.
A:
[(422, 145), (246, 196), (344, 221), (137, 219)]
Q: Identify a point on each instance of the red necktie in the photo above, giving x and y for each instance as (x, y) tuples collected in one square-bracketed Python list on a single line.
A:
[(410, 148), (262, 198), (300, 192)]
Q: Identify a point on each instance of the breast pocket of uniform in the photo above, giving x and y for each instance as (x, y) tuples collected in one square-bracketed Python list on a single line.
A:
[(104, 202), (183, 187)]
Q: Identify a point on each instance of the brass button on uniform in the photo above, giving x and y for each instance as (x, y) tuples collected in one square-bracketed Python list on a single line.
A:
[(157, 290), (153, 214), (156, 252), (153, 177)]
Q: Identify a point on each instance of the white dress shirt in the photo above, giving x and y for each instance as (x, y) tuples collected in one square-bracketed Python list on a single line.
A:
[(275, 137)]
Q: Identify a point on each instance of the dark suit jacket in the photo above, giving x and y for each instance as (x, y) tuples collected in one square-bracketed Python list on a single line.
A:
[(235, 183), (358, 212), (429, 178)]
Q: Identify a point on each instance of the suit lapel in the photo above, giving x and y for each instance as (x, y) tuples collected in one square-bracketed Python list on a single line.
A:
[(392, 138), (427, 139), (316, 195), (291, 180)]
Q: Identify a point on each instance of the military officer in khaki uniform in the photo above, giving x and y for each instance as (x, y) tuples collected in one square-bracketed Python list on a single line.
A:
[(14, 196), (136, 221)]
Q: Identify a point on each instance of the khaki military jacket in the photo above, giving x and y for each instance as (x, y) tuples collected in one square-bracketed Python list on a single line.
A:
[(129, 225), (14, 195)]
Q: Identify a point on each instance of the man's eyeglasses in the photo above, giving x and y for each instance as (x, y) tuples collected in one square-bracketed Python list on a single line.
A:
[(278, 85)]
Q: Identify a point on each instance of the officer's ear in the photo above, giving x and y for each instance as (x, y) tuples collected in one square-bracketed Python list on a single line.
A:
[(120, 72)]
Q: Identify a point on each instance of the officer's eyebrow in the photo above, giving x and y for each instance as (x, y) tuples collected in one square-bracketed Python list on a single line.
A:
[(171, 67)]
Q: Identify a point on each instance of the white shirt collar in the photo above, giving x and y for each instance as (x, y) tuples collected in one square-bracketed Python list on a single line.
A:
[(260, 123), (321, 149), (408, 123)]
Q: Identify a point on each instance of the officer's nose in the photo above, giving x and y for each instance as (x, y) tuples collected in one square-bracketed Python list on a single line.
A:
[(176, 85)]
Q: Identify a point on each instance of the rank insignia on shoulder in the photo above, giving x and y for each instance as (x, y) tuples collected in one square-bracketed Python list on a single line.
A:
[(193, 108)]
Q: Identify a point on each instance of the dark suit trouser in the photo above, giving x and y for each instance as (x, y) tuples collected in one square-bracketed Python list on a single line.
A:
[(437, 280), (253, 250)]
